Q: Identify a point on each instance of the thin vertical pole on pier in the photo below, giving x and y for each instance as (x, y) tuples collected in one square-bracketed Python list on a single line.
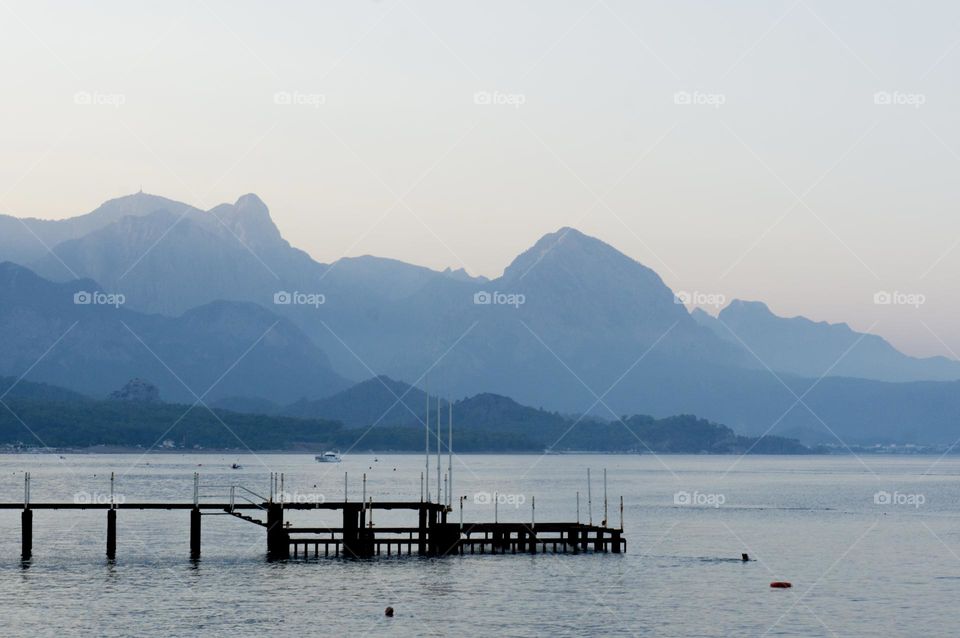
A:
[(578, 508), (589, 499), (621, 513), (111, 524), (26, 521), (364, 497), (439, 442), (271, 487), (195, 517), (281, 490), (450, 458), (606, 521), (446, 490), (345, 497), (533, 524), (426, 439), (461, 513), (496, 500), (421, 487)]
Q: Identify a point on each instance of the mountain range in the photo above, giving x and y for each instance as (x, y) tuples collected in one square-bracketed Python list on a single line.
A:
[(572, 325)]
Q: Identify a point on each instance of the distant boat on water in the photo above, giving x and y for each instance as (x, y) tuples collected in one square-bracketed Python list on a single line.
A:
[(328, 457)]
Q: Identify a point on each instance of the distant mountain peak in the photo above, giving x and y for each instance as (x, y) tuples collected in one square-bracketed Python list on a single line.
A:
[(754, 307), (569, 248), (249, 220), (252, 204)]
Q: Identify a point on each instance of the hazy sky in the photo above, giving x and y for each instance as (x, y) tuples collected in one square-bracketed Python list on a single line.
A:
[(456, 134)]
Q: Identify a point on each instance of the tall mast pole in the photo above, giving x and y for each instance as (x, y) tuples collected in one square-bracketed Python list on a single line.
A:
[(426, 439), (450, 458), (439, 441)]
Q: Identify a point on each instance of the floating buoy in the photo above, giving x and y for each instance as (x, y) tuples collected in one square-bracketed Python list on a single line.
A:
[(781, 584), (388, 612)]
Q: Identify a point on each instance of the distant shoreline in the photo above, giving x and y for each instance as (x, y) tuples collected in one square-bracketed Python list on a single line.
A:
[(235, 452)]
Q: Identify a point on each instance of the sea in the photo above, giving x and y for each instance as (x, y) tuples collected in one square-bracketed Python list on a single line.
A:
[(870, 544)]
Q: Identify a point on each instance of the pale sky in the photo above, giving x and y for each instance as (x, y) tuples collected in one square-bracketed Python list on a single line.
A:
[(783, 180)]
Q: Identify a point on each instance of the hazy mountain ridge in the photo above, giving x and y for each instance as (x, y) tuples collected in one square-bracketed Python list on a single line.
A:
[(570, 320), (94, 348), (798, 345)]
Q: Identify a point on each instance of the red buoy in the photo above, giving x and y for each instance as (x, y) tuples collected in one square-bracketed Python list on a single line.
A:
[(781, 584)]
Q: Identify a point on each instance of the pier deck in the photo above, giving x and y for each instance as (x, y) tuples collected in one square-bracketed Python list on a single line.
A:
[(357, 536)]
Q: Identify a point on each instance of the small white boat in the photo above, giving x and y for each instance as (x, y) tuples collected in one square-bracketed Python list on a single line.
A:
[(328, 457)]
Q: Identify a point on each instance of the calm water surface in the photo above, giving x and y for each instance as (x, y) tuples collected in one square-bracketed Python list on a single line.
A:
[(872, 547)]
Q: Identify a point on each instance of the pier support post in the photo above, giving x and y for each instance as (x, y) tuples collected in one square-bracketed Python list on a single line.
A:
[(111, 533), (26, 530), (448, 541), (195, 533), (422, 531), (433, 534), (615, 540), (573, 539), (278, 539), (351, 531)]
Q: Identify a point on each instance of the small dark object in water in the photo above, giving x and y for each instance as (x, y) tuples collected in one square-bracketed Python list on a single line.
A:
[(388, 612), (744, 557), (781, 584)]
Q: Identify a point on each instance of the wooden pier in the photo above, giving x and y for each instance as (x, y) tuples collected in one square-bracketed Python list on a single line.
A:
[(357, 536)]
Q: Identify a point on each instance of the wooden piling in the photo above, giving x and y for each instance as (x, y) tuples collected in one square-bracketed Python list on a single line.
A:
[(26, 534), (351, 531), (195, 533), (111, 534), (422, 531), (278, 540)]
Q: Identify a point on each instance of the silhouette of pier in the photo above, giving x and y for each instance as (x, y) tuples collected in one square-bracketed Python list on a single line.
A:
[(433, 533)]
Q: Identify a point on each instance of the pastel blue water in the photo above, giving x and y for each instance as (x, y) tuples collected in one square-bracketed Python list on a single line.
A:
[(858, 567)]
